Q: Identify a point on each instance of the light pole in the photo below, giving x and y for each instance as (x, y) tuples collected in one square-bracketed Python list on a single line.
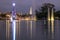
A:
[(13, 21)]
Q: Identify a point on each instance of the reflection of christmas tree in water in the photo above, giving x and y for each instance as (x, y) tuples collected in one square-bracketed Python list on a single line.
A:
[(13, 22)]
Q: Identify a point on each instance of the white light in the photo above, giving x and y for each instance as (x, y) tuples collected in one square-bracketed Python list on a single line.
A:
[(13, 4), (14, 29), (11, 19), (31, 11)]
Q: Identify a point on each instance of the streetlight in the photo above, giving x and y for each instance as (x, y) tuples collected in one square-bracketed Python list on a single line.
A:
[(13, 4)]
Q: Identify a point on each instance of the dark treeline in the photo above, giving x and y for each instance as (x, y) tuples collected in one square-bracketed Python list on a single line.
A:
[(43, 12)]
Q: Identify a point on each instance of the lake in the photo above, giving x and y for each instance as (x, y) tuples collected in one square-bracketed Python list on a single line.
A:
[(29, 30)]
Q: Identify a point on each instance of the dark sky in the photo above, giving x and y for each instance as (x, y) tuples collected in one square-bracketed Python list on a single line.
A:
[(24, 5)]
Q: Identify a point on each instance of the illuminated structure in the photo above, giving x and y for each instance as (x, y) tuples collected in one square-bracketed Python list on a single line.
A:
[(13, 21), (50, 17)]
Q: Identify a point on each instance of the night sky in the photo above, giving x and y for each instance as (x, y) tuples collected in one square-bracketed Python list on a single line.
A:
[(24, 5)]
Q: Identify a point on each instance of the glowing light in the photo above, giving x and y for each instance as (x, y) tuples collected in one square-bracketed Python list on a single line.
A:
[(27, 18), (52, 19), (49, 19), (30, 10), (11, 19), (14, 29), (52, 23), (13, 4), (34, 18), (8, 15)]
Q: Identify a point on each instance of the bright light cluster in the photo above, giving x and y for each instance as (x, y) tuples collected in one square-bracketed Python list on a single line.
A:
[(13, 4)]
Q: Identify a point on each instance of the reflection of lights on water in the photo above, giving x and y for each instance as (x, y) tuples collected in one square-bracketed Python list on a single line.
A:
[(14, 29), (31, 27), (49, 24), (19, 26), (52, 18), (52, 22), (48, 19), (27, 27), (7, 29)]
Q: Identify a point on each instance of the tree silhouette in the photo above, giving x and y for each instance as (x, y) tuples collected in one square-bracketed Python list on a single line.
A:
[(43, 13), (57, 14)]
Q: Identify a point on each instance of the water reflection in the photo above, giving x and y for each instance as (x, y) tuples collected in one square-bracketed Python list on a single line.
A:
[(29, 30)]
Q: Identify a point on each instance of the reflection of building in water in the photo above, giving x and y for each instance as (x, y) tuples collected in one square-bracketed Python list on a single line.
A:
[(29, 18), (50, 17), (2, 29)]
